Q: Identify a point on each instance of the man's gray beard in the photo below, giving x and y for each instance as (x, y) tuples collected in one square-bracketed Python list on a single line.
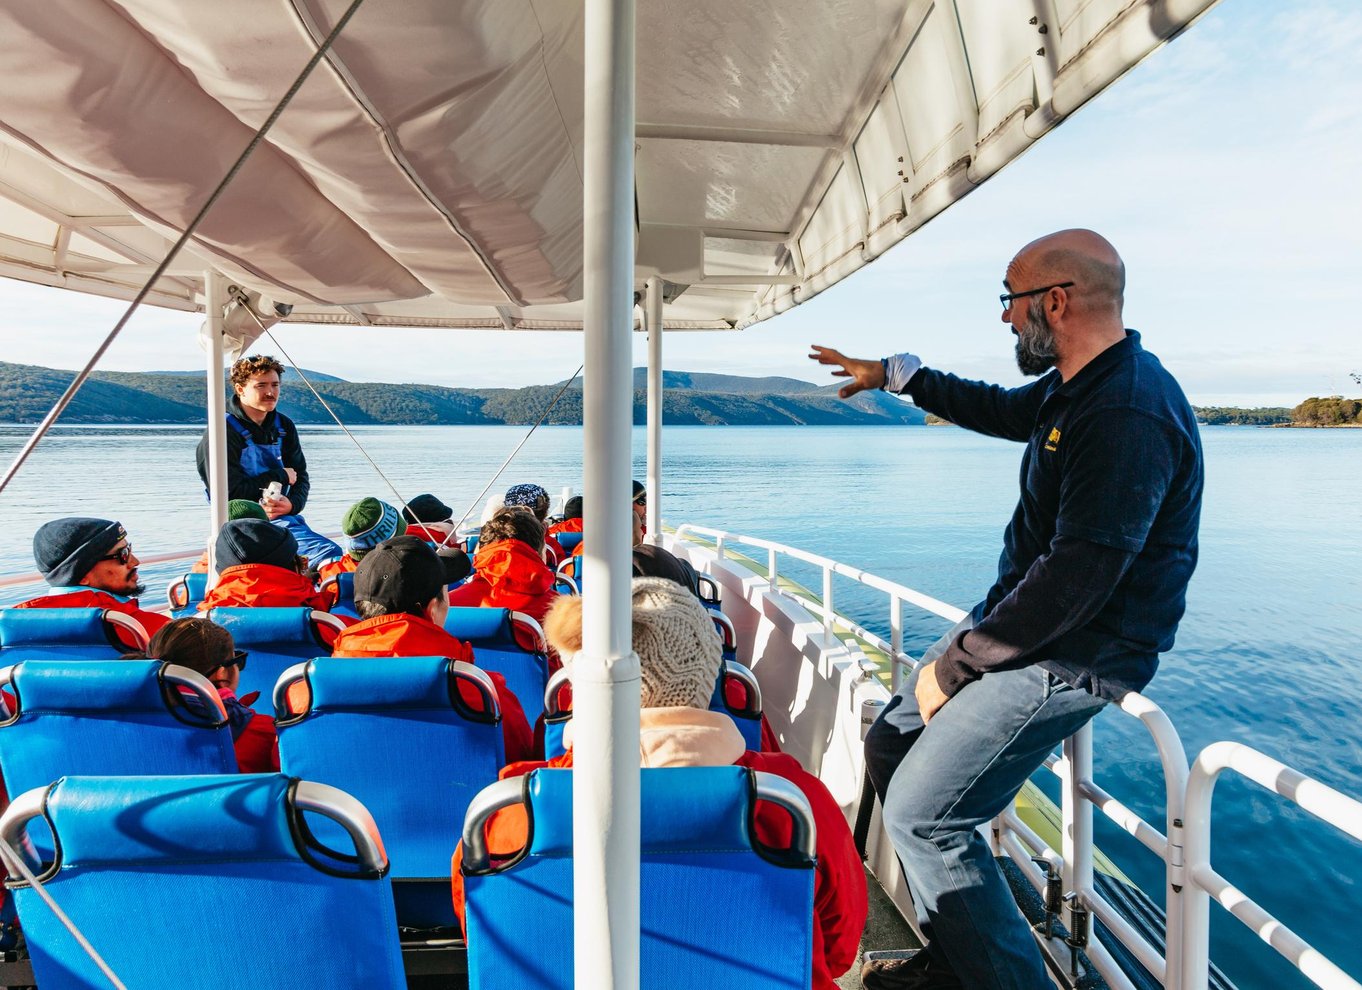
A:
[(1036, 341)]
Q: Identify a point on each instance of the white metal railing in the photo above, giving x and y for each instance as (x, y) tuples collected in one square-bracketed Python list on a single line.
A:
[(825, 609), (1183, 846), (1203, 882)]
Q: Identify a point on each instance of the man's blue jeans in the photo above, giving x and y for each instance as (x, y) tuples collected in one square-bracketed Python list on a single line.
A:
[(938, 783)]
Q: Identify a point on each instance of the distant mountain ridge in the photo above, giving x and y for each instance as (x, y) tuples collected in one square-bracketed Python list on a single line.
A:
[(27, 392)]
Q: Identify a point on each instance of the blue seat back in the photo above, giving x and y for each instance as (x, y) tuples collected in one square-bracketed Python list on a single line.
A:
[(57, 634), (568, 541), (105, 717), (275, 638), (345, 594), (399, 734), (185, 593), (174, 880), (492, 634), (747, 717), (698, 851)]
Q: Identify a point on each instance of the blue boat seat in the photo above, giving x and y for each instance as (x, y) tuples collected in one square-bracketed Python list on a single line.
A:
[(344, 584), (185, 593), (67, 634), (708, 589), (571, 569), (512, 644), (568, 541), (108, 717), (565, 585), (698, 851), (197, 883), (728, 635), (398, 734), (276, 639), (747, 717)]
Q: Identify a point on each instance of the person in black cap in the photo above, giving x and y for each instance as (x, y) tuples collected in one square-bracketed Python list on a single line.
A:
[(90, 564), (402, 595), (259, 567), (429, 519)]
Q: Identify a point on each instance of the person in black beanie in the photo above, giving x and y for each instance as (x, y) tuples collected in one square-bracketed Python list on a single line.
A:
[(90, 564), (259, 567)]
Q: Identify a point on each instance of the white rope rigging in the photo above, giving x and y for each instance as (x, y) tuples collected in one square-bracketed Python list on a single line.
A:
[(15, 861), (60, 406)]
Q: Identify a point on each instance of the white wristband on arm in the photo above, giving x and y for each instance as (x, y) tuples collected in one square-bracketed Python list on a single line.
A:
[(899, 370)]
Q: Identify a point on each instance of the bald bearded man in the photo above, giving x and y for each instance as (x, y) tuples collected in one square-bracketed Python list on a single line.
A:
[(1091, 585)]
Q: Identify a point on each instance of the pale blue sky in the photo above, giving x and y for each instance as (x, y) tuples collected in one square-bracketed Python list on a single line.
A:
[(1225, 168)]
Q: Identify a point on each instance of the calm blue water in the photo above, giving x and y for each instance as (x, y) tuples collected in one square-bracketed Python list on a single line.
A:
[(1268, 652)]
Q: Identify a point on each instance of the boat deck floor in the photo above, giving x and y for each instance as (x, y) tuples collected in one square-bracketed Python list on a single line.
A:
[(884, 929)]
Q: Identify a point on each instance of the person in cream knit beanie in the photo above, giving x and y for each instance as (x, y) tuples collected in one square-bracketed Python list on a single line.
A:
[(679, 654)]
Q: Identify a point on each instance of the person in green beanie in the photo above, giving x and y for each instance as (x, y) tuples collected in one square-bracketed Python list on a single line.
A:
[(365, 524)]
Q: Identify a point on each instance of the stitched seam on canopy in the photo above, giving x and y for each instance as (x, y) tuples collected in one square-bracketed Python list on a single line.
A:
[(399, 159)]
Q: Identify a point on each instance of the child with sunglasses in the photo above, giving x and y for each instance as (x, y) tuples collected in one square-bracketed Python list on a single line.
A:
[(208, 648)]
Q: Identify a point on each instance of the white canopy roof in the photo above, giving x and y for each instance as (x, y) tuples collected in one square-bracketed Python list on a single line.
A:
[(429, 173)]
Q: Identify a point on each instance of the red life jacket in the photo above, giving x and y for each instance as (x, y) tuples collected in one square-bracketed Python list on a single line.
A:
[(330, 570), (435, 536), (94, 598), (508, 574), (566, 526), (264, 586), (405, 635), (839, 892)]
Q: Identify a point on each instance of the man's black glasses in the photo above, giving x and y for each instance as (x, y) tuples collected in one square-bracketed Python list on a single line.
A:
[(1007, 297), (122, 555)]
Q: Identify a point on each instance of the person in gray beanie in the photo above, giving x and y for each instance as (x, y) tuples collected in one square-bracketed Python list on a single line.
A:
[(89, 563), (679, 659)]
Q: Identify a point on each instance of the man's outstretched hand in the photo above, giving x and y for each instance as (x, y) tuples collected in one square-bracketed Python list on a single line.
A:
[(863, 374)]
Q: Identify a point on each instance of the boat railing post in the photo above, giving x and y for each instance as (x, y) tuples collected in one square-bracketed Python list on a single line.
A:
[(773, 568), (895, 642), (605, 674), (214, 308), (652, 319), (1076, 811), (827, 600)]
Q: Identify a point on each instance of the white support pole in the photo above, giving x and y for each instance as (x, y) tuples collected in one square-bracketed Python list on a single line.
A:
[(214, 307), (1076, 812), (605, 675), (652, 319)]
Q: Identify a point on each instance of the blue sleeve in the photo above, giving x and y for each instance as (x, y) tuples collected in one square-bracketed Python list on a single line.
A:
[(995, 411)]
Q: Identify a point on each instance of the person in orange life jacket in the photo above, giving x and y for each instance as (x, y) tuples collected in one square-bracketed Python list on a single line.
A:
[(365, 524), (536, 499), (262, 447), (429, 519), (679, 660), (508, 569), (208, 648), (572, 518), (402, 597), (90, 564), (259, 567), (237, 508)]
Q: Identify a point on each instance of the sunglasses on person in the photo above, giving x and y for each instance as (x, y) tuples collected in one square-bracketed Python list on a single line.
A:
[(122, 555), (641, 498), (237, 660)]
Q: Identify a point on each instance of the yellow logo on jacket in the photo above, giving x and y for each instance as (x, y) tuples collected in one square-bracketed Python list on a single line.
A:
[(1052, 441)]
